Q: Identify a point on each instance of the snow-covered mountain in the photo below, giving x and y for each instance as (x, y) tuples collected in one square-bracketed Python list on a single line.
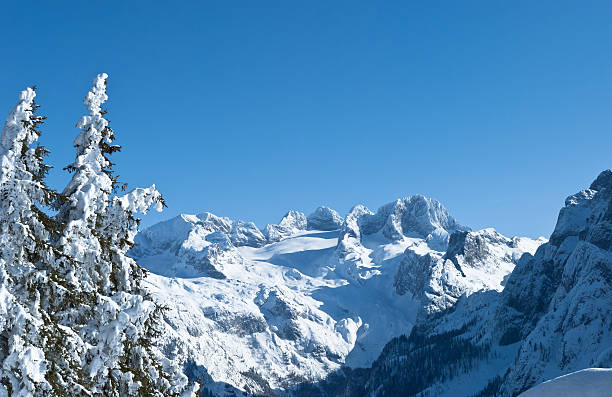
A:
[(553, 317), (263, 310)]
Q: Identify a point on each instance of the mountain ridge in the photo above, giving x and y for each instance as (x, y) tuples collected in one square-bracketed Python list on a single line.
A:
[(307, 302)]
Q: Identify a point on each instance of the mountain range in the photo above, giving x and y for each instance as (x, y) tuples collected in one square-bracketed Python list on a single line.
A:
[(401, 301)]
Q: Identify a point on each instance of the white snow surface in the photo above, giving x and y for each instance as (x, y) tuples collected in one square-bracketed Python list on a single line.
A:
[(301, 307), (591, 382)]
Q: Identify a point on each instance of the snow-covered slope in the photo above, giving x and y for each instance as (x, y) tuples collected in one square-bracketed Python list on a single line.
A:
[(590, 382), (263, 310)]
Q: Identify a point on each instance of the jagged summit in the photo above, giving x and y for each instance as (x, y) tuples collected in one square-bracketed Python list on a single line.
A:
[(410, 217), (419, 223), (587, 214), (603, 181), (324, 218), (293, 222), (171, 247), (414, 216)]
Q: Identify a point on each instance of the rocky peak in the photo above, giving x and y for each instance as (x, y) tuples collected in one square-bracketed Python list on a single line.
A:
[(478, 260), (603, 181), (351, 225), (213, 223), (324, 218), (246, 234), (293, 222), (415, 216), (588, 215)]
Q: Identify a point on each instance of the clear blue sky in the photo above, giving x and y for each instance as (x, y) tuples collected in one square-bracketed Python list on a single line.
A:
[(248, 109)]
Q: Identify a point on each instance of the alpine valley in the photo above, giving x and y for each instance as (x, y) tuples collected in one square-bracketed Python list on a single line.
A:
[(403, 301)]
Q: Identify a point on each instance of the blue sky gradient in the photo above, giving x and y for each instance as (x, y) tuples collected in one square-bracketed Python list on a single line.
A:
[(248, 109)]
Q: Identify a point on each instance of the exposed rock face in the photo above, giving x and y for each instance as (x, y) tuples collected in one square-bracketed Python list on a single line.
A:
[(586, 216), (351, 226), (561, 299), (324, 218)]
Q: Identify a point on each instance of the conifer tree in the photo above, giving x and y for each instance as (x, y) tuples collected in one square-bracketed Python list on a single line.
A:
[(25, 249), (24, 235), (100, 228)]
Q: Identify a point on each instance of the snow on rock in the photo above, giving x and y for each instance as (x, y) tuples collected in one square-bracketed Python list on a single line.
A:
[(417, 222), (474, 261), (231, 327), (560, 299), (246, 234), (414, 216), (194, 245), (324, 218), (292, 223), (352, 257), (591, 382), (586, 216)]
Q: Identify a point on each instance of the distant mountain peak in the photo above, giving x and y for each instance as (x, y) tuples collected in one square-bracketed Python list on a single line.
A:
[(324, 218), (604, 180), (293, 222)]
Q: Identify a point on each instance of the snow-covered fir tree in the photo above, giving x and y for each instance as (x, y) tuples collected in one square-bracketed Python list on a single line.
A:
[(74, 319), (25, 234)]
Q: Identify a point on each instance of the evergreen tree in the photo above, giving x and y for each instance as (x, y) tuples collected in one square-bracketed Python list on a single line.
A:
[(100, 228), (25, 234), (25, 228)]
